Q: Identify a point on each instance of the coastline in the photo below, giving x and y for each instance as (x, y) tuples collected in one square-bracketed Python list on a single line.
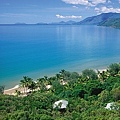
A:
[(16, 87), (12, 90)]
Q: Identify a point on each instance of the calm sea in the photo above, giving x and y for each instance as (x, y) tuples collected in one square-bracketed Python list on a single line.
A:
[(39, 50)]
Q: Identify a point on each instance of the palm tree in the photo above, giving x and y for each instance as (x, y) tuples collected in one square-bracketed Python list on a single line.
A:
[(46, 82), (29, 81), (32, 85), (45, 77), (58, 76), (25, 78), (40, 83), (25, 83), (62, 72), (22, 84), (2, 89)]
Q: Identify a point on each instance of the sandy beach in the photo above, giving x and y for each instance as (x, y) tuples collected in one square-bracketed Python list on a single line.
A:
[(12, 91)]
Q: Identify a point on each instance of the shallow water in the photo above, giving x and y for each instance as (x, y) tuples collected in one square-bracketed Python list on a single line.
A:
[(39, 50)]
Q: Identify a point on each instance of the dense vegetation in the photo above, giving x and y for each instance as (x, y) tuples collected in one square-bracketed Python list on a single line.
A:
[(114, 22), (1, 89), (87, 95)]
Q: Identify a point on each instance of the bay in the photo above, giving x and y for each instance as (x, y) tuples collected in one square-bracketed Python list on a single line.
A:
[(38, 50)]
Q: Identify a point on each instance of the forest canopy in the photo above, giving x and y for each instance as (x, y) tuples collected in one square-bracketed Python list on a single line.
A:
[(87, 94)]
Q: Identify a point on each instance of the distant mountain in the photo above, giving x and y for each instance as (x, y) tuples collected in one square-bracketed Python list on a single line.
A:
[(20, 23), (104, 19), (112, 22), (41, 23), (96, 20), (70, 22), (58, 23), (63, 23)]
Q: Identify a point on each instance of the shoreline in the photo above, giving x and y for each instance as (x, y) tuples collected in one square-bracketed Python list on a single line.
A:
[(10, 82), (12, 90), (16, 86)]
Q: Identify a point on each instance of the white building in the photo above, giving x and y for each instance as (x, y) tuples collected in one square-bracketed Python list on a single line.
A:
[(112, 106), (60, 104)]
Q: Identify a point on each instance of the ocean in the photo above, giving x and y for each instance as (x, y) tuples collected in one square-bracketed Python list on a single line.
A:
[(39, 50)]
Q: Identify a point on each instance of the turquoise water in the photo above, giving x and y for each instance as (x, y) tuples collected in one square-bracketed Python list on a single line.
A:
[(41, 50)]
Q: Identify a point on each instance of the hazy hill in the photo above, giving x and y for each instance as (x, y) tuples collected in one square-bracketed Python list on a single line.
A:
[(112, 22), (70, 22), (96, 20)]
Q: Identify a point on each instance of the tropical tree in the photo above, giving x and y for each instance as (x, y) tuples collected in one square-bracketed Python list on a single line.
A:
[(74, 76), (114, 69), (28, 82), (116, 93), (58, 76), (94, 87), (104, 97), (32, 85), (46, 77), (62, 73), (22, 84), (46, 80), (25, 79), (89, 74), (40, 83), (51, 79), (2, 89), (25, 83)]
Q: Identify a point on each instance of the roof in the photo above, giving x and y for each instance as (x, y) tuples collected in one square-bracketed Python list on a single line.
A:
[(109, 105), (60, 104)]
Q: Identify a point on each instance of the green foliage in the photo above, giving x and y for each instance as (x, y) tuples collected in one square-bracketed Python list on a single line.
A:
[(94, 87), (90, 74), (104, 97), (78, 93), (114, 69), (111, 82), (2, 89), (116, 93), (87, 96)]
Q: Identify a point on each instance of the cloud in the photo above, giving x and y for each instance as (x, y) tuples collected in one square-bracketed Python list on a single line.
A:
[(85, 2), (95, 2), (107, 10), (82, 2), (74, 6), (109, 1), (72, 16)]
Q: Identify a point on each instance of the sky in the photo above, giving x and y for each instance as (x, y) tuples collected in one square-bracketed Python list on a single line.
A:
[(47, 11)]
